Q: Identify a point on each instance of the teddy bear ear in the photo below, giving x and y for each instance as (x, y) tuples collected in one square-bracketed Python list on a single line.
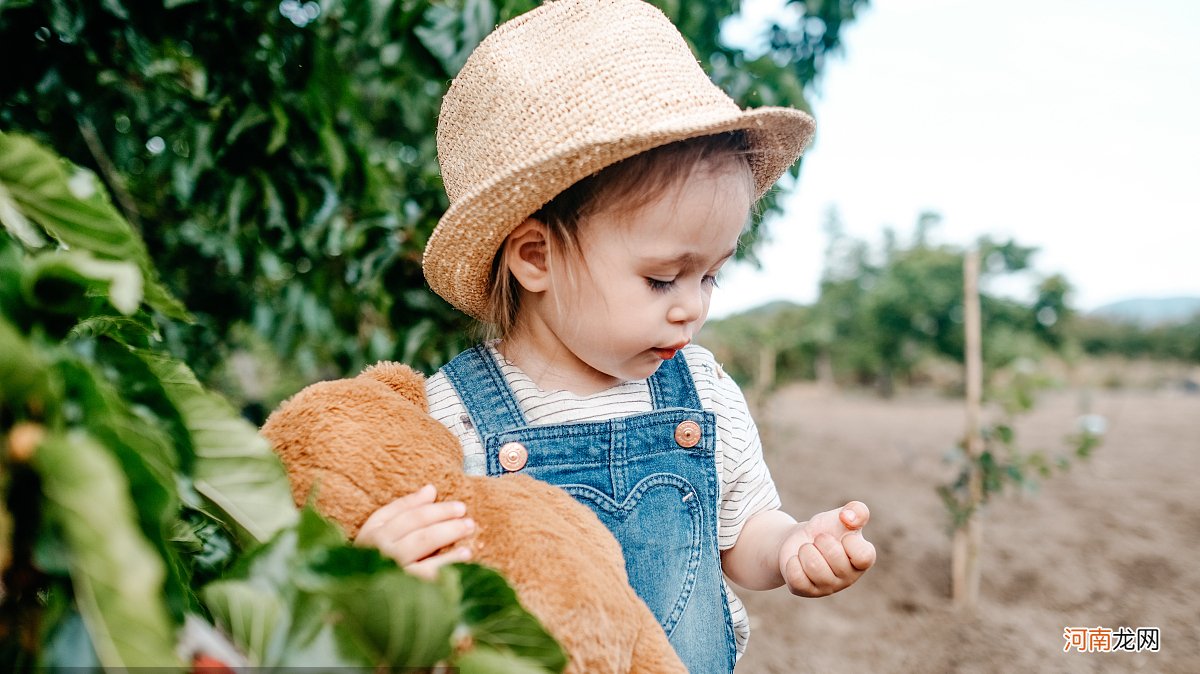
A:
[(402, 379)]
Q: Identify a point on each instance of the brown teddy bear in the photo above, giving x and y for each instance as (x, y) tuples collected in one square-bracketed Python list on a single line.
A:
[(362, 442)]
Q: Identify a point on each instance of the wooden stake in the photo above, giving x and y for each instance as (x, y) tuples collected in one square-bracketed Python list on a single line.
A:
[(969, 538)]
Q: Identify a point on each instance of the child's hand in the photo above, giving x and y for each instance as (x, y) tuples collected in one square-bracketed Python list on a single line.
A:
[(413, 527), (827, 553)]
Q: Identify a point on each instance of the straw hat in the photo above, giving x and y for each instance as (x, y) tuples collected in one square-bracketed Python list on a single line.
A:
[(557, 94)]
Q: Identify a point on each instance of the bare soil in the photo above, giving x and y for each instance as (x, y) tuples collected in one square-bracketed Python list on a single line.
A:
[(1112, 542)]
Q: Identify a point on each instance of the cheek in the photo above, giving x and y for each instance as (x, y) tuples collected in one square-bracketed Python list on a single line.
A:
[(629, 307), (704, 311)]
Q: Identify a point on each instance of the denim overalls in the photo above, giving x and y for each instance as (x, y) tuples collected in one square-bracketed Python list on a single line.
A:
[(651, 478)]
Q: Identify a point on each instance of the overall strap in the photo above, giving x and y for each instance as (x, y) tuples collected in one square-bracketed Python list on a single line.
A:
[(476, 377), (672, 386)]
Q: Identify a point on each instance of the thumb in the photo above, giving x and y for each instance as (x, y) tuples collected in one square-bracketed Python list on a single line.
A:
[(854, 515), (840, 521)]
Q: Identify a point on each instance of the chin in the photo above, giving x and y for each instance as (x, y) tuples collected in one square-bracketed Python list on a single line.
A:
[(643, 371)]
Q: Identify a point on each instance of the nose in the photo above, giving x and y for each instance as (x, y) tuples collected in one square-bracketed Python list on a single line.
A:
[(688, 305)]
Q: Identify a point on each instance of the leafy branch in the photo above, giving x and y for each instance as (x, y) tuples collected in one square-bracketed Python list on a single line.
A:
[(1002, 463), (140, 513)]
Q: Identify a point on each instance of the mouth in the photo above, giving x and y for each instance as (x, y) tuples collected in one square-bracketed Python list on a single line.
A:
[(668, 352)]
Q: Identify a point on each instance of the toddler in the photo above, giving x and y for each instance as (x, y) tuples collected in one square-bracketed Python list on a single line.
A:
[(598, 181)]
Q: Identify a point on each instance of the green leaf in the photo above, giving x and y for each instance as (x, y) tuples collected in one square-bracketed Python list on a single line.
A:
[(128, 330), (335, 152), (24, 378), (279, 132), (117, 576), (235, 467), (249, 119), (315, 531), (319, 638), (346, 605), (483, 660), (128, 415), (69, 646), (495, 618), (116, 9), (406, 622), (252, 615), (16, 223), (451, 33), (1004, 433), (12, 266), (67, 20), (60, 281), (74, 209)]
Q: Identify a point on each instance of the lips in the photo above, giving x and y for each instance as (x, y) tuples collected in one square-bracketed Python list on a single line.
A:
[(668, 352)]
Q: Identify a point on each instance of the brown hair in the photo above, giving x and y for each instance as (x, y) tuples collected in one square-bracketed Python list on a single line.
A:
[(624, 187)]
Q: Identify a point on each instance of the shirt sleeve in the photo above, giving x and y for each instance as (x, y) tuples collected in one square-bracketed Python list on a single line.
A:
[(447, 407), (746, 484)]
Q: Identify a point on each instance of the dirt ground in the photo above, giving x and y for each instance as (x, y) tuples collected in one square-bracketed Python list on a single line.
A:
[(1110, 543)]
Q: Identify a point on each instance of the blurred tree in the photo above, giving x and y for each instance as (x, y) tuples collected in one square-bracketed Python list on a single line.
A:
[(885, 316), (1101, 336), (279, 157), (763, 347), (882, 313)]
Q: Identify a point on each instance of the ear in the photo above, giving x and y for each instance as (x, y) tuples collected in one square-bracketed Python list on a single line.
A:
[(402, 379), (526, 253)]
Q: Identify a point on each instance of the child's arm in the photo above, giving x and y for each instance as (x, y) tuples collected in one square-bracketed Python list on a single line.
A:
[(413, 527), (814, 558)]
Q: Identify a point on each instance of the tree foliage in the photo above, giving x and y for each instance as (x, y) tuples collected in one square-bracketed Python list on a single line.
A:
[(279, 158), (881, 313), (1101, 336), (137, 508), (1002, 462)]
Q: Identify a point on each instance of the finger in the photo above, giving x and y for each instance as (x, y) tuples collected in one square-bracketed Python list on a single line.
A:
[(428, 568), (403, 523), (860, 551), (423, 542), (797, 582), (854, 515), (835, 557), (386, 513), (420, 517), (817, 569), (828, 522)]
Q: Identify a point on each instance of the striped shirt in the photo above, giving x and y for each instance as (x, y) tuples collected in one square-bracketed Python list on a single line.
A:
[(746, 485)]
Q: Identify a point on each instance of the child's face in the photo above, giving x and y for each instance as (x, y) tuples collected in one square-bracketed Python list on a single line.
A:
[(642, 290)]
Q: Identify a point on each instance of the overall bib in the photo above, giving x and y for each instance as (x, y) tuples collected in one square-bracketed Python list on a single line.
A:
[(651, 478)]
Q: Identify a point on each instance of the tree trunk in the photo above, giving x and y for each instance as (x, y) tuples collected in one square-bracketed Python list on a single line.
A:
[(824, 368), (885, 383), (969, 538), (764, 382), (767, 356)]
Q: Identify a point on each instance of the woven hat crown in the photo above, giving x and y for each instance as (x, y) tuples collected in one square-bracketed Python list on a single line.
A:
[(557, 94)]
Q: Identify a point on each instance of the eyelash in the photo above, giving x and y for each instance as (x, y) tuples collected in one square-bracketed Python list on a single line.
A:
[(664, 286)]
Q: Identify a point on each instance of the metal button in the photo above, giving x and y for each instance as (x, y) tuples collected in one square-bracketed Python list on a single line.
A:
[(687, 434), (513, 456)]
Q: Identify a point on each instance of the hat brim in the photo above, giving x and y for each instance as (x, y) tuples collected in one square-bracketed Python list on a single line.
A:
[(460, 252)]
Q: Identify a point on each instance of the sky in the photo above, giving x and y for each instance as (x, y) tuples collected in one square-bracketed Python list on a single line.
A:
[(1069, 125)]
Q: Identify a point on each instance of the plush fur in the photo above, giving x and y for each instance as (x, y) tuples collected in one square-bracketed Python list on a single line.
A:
[(360, 443)]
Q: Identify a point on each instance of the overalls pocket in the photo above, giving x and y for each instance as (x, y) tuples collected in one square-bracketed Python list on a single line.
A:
[(660, 522)]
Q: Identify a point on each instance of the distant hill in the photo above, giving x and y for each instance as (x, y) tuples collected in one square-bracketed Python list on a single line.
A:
[(1150, 311)]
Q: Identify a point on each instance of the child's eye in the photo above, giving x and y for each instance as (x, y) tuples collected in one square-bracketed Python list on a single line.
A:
[(659, 285), (710, 280)]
